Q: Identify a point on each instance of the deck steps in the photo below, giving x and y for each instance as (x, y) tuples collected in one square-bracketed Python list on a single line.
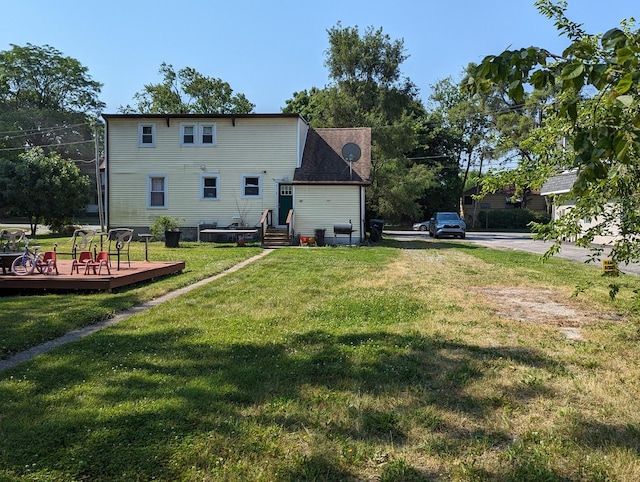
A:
[(275, 237)]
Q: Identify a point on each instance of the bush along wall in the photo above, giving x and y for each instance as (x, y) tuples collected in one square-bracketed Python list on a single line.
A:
[(509, 219)]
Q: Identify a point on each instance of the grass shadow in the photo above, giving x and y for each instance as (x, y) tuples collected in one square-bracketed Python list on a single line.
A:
[(147, 393)]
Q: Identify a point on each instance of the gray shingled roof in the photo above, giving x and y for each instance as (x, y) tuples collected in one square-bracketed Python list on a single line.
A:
[(560, 184), (322, 161)]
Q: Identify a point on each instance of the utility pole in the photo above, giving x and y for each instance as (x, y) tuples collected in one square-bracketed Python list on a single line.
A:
[(98, 183)]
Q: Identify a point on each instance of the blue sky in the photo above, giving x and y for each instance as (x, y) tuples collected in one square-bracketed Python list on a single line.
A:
[(269, 49)]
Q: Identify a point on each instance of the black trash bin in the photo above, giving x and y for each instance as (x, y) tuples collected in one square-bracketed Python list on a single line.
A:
[(172, 239), (320, 236), (377, 225)]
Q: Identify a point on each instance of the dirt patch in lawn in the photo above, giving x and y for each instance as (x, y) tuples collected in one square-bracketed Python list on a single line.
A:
[(543, 306)]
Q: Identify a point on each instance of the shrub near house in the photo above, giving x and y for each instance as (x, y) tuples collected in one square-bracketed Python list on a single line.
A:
[(503, 209)]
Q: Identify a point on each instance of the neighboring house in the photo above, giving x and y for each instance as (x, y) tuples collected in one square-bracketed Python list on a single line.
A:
[(502, 199), (232, 169), (562, 184)]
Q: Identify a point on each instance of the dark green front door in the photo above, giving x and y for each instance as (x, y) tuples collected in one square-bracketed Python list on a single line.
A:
[(285, 202)]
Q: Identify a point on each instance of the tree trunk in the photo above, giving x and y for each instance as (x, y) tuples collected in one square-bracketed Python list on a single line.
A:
[(33, 223)]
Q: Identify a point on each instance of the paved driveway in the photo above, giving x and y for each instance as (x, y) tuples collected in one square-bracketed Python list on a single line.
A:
[(521, 242)]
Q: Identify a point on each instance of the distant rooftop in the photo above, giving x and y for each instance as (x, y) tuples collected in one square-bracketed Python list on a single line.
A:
[(560, 184)]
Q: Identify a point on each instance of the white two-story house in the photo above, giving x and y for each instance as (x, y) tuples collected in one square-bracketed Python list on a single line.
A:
[(228, 170)]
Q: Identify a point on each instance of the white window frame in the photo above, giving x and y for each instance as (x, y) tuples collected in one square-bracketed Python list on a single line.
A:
[(198, 134), (202, 187), (150, 179), (214, 135), (244, 186), (141, 134), (183, 127)]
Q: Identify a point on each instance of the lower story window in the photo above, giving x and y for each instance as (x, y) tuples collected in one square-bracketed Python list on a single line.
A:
[(158, 191), (251, 186), (210, 187)]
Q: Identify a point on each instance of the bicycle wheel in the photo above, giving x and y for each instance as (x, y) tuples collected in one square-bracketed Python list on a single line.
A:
[(23, 265), (41, 266)]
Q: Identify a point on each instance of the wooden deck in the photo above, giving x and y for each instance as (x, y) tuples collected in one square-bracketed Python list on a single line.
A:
[(139, 271)]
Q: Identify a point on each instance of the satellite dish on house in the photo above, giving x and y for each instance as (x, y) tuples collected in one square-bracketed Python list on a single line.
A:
[(351, 152)]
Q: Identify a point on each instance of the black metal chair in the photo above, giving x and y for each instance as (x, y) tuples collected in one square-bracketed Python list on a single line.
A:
[(119, 240)]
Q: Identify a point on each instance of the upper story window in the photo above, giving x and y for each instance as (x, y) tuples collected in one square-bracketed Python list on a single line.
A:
[(251, 186), (208, 134), (188, 134), (197, 134), (157, 191), (146, 135), (209, 186)]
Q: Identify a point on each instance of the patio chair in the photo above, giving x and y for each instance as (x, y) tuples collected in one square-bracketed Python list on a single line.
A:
[(119, 242), (102, 259), (11, 240), (48, 264), (84, 258), (81, 241)]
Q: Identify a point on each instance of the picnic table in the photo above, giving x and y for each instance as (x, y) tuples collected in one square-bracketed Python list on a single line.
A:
[(230, 231)]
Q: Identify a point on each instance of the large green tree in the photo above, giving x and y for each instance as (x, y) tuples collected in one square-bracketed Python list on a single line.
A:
[(44, 188), (187, 91), (597, 110), (47, 100), (367, 89), (467, 119), (439, 149)]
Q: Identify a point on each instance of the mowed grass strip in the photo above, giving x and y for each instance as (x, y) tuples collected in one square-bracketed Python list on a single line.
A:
[(27, 321), (339, 364)]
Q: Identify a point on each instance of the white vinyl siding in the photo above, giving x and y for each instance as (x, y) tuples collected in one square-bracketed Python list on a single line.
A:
[(260, 147), (321, 207)]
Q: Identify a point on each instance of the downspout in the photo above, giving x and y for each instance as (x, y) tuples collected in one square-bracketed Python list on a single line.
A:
[(106, 172), (363, 227)]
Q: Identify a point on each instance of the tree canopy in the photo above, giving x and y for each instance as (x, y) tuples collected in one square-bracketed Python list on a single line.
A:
[(187, 91), (47, 100), (596, 108), (367, 89), (44, 188)]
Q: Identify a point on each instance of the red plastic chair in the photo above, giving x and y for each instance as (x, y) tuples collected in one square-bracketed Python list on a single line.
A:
[(84, 258), (102, 259), (48, 264)]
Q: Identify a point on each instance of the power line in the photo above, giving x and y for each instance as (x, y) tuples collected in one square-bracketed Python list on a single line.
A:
[(441, 156), (44, 130), (5, 149)]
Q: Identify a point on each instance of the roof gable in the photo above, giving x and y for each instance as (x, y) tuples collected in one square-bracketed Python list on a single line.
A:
[(322, 160), (560, 184)]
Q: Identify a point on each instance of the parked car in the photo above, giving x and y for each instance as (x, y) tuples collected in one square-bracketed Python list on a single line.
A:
[(423, 226), (447, 224)]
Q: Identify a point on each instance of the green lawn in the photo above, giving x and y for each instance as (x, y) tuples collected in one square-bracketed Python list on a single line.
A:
[(34, 320), (388, 363)]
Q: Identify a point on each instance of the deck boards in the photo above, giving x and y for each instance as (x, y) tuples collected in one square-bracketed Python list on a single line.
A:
[(139, 271)]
